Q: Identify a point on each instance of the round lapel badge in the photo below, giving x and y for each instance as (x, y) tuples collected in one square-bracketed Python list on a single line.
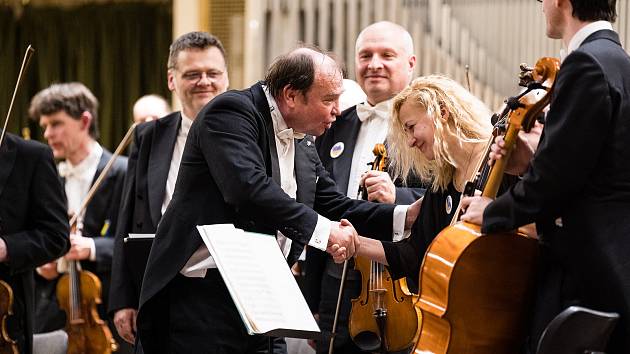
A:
[(336, 150), (449, 204)]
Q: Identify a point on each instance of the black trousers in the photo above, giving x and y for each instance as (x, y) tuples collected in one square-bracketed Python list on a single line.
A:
[(202, 318)]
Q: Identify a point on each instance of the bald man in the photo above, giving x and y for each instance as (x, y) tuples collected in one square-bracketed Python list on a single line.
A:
[(249, 162), (150, 107), (384, 63)]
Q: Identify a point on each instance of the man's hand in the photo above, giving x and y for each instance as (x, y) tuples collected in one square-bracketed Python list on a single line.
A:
[(343, 241), (48, 271), (474, 208), (125, 321), (412, 213), (80, 248), (521, 154), (380, 187)]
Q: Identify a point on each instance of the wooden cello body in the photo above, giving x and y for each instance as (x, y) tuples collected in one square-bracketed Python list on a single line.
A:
[(476, 289), (383, 318)]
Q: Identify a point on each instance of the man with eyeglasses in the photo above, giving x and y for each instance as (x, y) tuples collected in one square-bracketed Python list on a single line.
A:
[(197, 72)]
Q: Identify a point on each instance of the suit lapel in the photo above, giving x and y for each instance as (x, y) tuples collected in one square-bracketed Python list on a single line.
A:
[(101, 165), (306, 179), (346, 132), (162, 145), (8, 153), (305, 173), (262, 106)]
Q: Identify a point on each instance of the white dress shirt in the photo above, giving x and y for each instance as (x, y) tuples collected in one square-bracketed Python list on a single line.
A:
[(285, 148), (178, 151), (78, 180), (374, 127)]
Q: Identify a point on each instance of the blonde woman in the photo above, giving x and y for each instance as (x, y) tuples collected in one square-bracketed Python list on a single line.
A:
[(439, 132)]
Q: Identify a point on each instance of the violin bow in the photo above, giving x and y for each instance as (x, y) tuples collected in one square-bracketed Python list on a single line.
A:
[(333, 332), (123, 144), (27, 59)]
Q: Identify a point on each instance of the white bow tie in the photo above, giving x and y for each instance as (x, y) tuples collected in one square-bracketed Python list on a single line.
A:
[(365, 111), (288, 135), (66, 170)]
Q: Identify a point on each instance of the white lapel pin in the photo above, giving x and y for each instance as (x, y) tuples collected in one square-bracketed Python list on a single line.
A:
[(336, 150)]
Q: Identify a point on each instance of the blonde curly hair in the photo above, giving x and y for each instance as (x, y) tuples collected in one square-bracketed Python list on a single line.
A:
[(468, 119)]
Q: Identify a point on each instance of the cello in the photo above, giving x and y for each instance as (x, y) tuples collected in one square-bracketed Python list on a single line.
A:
[(475, 288), (7, 344), (79, 291), (381, 298)]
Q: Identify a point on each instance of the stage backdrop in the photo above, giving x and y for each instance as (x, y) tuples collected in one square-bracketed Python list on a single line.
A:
[(119, 51)]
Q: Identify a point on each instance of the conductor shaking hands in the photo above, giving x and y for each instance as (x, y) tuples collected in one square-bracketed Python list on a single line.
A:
[(250, 160)]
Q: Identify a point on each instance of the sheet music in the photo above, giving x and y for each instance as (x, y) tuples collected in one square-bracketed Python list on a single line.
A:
[(259, 280)]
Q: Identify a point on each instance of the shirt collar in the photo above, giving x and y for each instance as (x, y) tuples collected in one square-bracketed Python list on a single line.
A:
[(280, 127), (66, 168), (579, 36), (186, 123)]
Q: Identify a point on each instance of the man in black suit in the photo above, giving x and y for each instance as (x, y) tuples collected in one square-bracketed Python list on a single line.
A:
[(576, 188), (33, 226), (248, 162), (197, 73), (67, 113), (384, 63)]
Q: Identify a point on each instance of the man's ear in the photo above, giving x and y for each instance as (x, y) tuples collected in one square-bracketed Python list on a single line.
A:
[(170, 79), (86, 120), (289, 96)]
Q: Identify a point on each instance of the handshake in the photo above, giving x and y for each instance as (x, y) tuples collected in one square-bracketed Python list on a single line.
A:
[(343, 241)]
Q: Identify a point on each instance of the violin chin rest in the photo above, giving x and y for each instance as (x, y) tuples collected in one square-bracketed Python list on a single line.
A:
[(368, 341)]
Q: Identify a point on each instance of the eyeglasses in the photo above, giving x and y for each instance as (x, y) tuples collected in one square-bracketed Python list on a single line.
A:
[(195, 76)]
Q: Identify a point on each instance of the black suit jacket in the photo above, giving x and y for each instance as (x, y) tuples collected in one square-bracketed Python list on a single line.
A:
[(229, 174), (581, 175), (346, 130), (141, 206), (33, 223), (99, 222)]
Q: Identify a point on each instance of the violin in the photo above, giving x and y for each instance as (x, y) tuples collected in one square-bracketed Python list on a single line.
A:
[(475, 288), (7, 344), (383, 318), (79, 291)]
